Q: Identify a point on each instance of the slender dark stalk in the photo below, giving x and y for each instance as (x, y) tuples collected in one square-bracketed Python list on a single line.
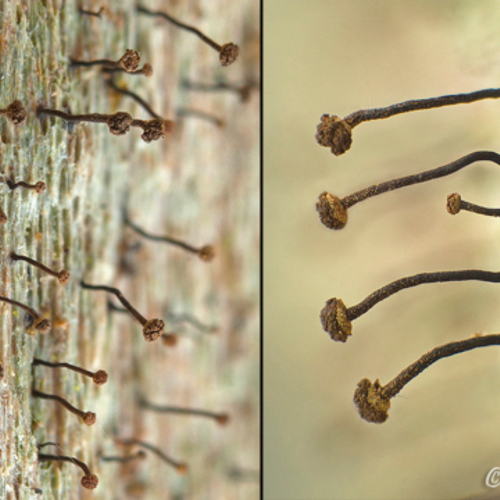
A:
[(134, 96), (146, 70), (373, 399), (88, 417), (202, 115), (228, 53), (41, 324), (62, 276), (48, 443), (118, 123), (243, 474), (336, 133), (189, 318), (139, 455), (205, 253), (129, 62), (96, 62), (336, 318), (91, 13), (115, 308), (168, 339), (220, 418), (99, 377), (89, 481), (243, 91), (88, 117), (152, 329), (39, 187), (333, 210), (179, 466), (454, 204)]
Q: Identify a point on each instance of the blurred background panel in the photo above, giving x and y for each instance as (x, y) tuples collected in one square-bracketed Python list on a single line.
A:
[(442, 436)]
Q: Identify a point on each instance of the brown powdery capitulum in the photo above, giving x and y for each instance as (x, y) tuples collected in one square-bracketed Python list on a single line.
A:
[(372, 405), (222, 419), (63, 277), (153, 329), (100, 377), (331, 211), (334, 320), (119, 123), (334, 133), (42, 325), (130, 60), (453, 203), (89, 418), (15, 112), (228, 53), (147, 70), (154, 130), (90, 481), (206, 253)]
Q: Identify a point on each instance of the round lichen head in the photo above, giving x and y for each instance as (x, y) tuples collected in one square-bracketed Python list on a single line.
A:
[(153, 130), (42, 325), (182, 469), (40, 187), (334, 320), (63, 277), (3, 217), (453, 203), (228, 53), (100, 377), (246, 92), (130, 60), (222, 419), (153, 329), (169, 339), (90, 481), (206, 253), (147, 70), (169, 126), (89, 418), (371, 403), (15, 112), (332, 212), (119, 123), (334, 133)]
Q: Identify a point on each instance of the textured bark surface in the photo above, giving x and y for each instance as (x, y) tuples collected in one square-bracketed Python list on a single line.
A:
[(200, 184)]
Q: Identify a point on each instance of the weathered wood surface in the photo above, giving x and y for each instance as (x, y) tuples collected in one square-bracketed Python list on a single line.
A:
[(199, 184)]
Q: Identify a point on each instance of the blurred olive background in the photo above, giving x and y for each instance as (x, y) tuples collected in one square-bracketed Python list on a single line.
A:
[(443, 432)]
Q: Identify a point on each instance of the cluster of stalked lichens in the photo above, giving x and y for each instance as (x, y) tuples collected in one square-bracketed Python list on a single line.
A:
[(373, 399), (333, 210), (336, 318), (228, 52), (152, 329), (119, 123), (40, 323), (336, 133), (39, 187), (88, 481), (205, 253)]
